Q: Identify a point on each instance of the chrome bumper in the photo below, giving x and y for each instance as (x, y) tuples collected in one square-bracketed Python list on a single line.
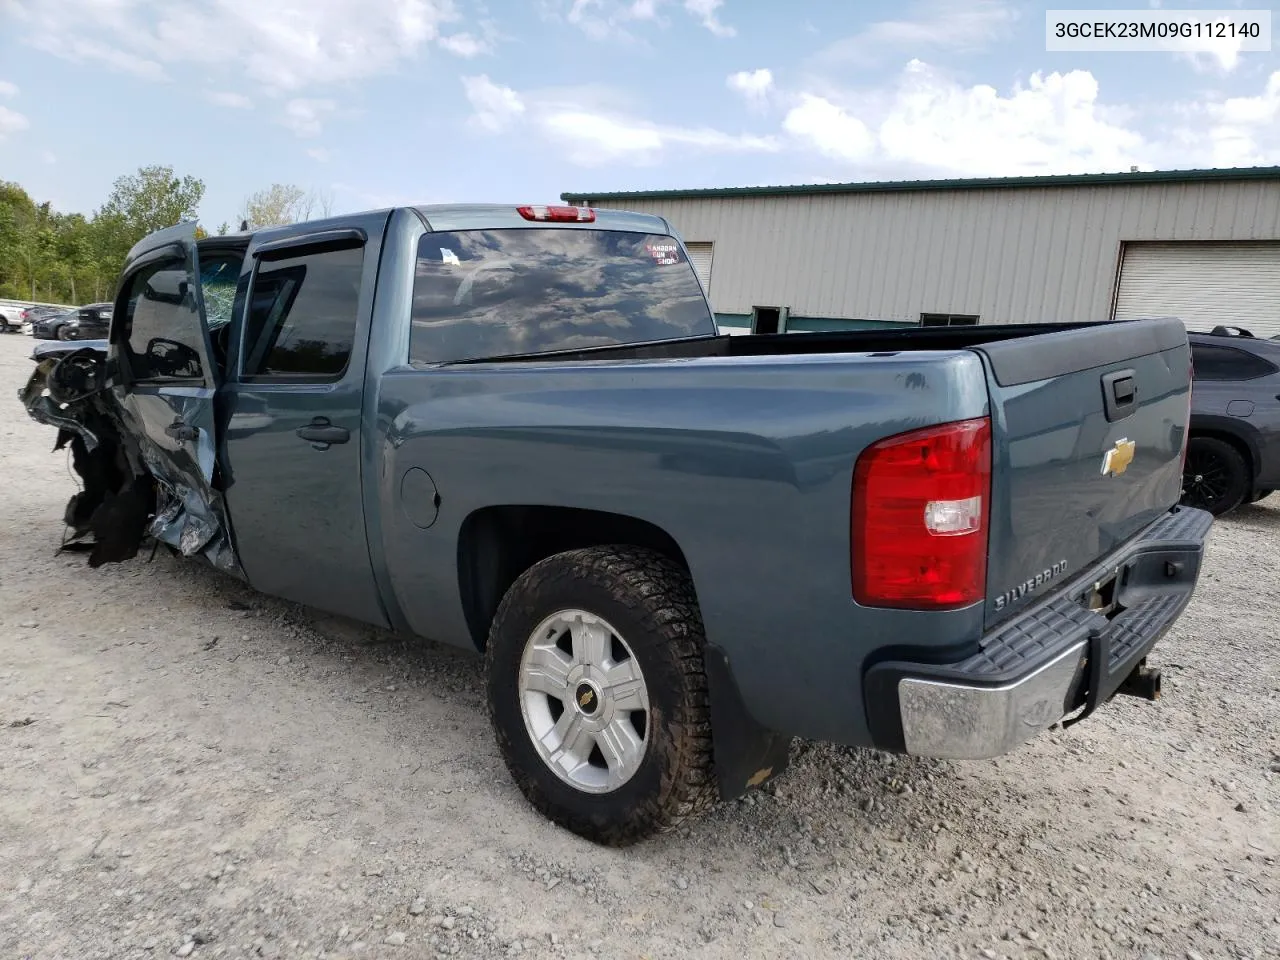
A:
[(1048, 661), (959, 722)]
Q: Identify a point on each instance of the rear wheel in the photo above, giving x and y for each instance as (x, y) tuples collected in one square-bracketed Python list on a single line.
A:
[(1215, 477), (64, 333), (597, 693)]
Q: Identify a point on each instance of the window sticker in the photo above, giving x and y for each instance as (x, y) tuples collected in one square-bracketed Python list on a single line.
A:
[(664, 254), (449, 257)]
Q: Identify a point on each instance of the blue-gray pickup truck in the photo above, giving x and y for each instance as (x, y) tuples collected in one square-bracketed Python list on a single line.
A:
[(518, 430)]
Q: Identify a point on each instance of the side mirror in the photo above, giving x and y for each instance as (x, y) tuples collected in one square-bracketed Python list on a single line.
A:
[(173, 359)]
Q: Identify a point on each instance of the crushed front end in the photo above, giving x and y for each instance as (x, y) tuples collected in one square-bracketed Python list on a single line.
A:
[(125, 499)]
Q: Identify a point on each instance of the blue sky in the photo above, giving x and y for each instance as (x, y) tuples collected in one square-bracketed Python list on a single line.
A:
[(379, 102)]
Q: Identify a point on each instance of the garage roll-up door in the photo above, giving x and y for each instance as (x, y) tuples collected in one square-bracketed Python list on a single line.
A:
[(700, 257), (1205, 284)]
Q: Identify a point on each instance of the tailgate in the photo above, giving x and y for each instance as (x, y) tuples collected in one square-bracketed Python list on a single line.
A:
[(1088, 427)]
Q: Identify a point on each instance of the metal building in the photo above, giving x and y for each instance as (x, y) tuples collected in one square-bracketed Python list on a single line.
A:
[(1203, 245)]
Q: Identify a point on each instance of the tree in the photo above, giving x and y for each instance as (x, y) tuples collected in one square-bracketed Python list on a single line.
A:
[(65, 258), (283, 203), (139, 204), (279, 204), (153, 198)]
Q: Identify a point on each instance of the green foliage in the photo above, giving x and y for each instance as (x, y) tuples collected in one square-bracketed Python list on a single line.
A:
[(69, 258), (279, 204)]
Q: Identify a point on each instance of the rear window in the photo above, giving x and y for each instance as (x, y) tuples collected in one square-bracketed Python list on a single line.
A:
[(494, 293), (1227, 363)]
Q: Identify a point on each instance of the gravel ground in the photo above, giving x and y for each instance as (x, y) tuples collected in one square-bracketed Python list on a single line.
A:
[(190, 768)]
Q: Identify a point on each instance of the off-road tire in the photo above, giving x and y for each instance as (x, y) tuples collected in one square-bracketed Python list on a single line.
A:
[(1233, 481), (649, 601)]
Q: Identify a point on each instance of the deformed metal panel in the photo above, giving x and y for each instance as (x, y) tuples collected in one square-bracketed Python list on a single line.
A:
[(1009, 255)]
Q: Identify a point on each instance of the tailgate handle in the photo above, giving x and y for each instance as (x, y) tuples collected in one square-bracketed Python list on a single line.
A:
[(1119, 394)]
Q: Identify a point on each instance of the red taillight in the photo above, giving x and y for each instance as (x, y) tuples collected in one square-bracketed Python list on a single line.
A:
[(921, 502), (558, 214)]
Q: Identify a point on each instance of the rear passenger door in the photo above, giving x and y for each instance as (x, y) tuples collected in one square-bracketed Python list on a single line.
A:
[(293, 418)]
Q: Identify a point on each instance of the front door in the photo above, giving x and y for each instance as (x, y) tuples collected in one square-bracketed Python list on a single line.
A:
[(165, 385), (293, 419)]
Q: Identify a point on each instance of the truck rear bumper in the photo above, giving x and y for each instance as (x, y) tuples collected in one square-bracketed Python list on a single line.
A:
[(1054, 658)]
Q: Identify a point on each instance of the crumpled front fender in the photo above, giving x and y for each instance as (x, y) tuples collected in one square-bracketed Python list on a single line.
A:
[(42, 408)]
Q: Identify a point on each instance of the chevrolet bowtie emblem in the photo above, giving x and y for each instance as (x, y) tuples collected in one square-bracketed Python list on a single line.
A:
[(1116, 460)]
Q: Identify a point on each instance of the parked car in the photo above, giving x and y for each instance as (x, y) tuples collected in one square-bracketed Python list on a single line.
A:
[(89, 322), (10, 321), (49, 326), (516, 430), (1234, 453), (40, 311)]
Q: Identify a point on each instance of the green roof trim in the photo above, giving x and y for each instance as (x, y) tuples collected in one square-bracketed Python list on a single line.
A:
[(1226, 174)]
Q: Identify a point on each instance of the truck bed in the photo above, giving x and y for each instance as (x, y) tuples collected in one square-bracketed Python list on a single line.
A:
[(1016, 353)]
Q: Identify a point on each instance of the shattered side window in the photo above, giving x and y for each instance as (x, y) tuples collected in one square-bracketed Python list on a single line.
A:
[(219, 274), (162, 332)]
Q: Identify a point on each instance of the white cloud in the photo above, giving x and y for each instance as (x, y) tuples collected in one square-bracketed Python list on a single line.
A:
[(940, 24), (226, 98), (8, 89), (612, 19), (1223, 53), (465, 45), (286, 45), (1054, 123), (592, 126), (49, 157), (829, 129), (1245, 131), (306, 117), (752, 84), (11, 122), (495, 106), (705, 11), (319, 154), (593, 139)]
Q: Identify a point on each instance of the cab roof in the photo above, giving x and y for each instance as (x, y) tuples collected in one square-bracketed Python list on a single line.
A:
[(496, 216)]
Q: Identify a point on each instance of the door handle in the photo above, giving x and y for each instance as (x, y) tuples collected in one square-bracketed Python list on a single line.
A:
[(180, 431), (320, 430)]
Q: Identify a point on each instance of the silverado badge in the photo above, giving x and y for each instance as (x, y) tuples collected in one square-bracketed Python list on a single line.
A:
[(1116, 460)]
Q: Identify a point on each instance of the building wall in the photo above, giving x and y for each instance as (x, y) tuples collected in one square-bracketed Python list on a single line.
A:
[(1008, 255)]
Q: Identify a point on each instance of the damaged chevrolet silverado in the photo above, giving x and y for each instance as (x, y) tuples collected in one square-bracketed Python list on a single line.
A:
[(518, 430)]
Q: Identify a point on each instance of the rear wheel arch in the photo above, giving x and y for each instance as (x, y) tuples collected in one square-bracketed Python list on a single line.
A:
[(1217, 475), (497, 544), (1240, 434), (1243, 445)]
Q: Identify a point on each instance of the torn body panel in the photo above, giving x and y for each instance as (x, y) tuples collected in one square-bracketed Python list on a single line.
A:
[(191, 515), (130, 491)]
